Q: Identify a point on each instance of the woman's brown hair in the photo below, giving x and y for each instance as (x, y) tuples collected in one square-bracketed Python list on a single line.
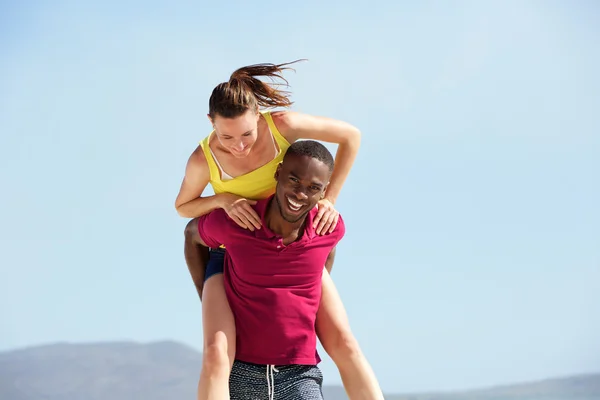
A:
[(244, 91)]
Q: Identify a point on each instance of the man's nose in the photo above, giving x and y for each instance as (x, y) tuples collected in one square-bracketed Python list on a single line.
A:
[(300, 194)]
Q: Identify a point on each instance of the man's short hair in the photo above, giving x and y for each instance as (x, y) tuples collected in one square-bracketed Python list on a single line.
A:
[(313, 149)]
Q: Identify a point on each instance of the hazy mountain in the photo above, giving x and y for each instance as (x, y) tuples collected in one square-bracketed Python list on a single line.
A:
[(169, 370)]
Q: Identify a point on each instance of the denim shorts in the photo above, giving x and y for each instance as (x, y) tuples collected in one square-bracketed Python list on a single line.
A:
[(215, 262)]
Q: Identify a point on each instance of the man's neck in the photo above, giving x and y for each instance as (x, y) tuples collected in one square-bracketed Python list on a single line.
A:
[(289, 231)]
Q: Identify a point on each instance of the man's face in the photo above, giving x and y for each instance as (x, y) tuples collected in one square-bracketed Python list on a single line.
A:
[(301, 183)]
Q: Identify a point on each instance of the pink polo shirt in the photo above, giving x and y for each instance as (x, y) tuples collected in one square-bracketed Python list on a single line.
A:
[(273, 290)]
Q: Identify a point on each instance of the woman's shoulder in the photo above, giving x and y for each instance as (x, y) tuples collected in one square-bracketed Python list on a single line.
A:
[(197, 159), (280, 118), (285, 122)]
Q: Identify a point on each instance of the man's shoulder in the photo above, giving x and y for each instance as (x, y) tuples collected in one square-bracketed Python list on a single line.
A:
[(216, 228), (338, 232), (340, 228), (261, 205), (217, 213), (217, 217)]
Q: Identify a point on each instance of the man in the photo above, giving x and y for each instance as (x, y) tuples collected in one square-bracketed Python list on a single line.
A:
[(273, 279)]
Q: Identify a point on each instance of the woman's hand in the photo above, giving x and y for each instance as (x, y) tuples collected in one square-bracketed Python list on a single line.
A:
[(327, 218), (239, 209)]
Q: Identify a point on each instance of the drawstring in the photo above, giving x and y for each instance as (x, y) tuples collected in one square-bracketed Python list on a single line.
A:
[(271, 381)]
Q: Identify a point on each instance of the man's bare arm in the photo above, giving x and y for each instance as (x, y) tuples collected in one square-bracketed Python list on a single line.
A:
[(196, 255), (330, 259)]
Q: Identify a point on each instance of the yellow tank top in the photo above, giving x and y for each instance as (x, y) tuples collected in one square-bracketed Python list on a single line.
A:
[(255, 185)]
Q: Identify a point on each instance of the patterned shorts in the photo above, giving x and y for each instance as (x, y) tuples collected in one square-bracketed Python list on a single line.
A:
[(265, 382)]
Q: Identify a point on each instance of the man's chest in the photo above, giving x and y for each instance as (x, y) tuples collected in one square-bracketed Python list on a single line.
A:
[(270, 262)]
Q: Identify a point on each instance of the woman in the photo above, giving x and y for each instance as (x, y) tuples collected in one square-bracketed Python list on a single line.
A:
[(238, 159)]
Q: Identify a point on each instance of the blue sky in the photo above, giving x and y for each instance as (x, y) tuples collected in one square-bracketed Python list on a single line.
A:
[(472, 254)]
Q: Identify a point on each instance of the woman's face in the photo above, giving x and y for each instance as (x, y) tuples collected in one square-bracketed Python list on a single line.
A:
[(238, 134)]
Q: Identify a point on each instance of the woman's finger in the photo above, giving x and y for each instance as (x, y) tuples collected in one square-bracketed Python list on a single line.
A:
[(325, 222), (335, 222), (319, 217), (238, 221), (247, 218), (252, 216)]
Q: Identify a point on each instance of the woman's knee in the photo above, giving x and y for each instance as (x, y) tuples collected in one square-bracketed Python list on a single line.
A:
[(215, 359), (217, 342)]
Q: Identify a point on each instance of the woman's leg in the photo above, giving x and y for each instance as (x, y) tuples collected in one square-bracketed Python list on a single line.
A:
[(219, 334), (333, 329)]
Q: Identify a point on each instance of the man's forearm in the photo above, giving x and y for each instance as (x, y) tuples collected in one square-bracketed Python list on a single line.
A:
[(196, 256)]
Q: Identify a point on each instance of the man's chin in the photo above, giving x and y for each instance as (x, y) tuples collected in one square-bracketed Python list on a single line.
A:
[(293, 218)]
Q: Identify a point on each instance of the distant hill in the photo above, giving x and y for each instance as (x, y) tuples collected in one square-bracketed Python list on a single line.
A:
[(169, 370)]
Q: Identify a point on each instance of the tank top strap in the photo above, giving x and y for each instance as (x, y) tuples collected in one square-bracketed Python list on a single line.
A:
[(212, 165), (281, 141)]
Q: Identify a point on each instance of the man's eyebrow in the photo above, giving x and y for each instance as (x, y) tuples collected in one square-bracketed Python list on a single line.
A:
[(312, 183)]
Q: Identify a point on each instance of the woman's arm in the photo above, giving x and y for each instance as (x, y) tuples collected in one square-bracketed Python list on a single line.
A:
[(294, 126), (189, 204)]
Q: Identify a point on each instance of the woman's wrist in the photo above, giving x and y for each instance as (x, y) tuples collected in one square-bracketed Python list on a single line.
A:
[(221, 200), (330, 199)]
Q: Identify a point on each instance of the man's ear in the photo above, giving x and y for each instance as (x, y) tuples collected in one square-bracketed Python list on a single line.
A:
[(277, 171)]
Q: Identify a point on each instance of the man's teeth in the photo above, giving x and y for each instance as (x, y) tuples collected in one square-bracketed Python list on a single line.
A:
[(295, 206)]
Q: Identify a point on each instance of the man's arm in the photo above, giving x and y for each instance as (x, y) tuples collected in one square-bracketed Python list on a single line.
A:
[(337, 234), (210, 230), (196, 255), (329, 261)]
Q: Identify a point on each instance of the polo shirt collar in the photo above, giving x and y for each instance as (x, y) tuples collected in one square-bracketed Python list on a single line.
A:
[(264, 232)]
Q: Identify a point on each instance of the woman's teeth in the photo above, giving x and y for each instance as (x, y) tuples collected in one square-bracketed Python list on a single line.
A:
[(294, 206)]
